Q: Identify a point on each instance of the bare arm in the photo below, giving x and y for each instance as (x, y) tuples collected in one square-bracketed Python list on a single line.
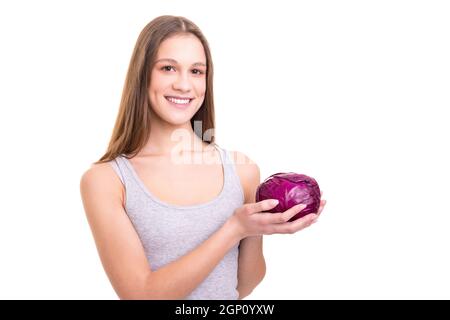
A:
[(252, 266), (123, 256)]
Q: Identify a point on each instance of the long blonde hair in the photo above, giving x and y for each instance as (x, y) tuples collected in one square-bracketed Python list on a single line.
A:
[(132, 127)]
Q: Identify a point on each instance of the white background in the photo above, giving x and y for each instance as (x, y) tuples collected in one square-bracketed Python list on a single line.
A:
[(353, 93)]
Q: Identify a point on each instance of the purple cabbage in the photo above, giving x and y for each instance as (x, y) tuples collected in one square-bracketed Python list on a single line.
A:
[(290, 189)]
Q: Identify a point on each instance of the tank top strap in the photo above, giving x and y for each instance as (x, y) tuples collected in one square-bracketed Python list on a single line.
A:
[(231, 177), (121, 169)]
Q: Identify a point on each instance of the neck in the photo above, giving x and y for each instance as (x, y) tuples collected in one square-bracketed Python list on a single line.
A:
[(166, 139)]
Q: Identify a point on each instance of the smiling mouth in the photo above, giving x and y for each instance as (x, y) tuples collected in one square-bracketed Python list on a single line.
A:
[(181, 102)]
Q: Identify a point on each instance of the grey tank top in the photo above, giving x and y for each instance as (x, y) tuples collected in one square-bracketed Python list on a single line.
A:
[(168, 232)]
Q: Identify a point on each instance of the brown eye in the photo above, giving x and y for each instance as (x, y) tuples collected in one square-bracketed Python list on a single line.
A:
[(199, 71), (165, 68)]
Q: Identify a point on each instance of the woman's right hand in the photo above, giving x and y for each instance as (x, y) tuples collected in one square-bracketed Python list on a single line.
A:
[(251, 220)]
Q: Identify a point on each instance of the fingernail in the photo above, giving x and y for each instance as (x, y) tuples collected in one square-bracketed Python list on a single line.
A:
[(274, 202)]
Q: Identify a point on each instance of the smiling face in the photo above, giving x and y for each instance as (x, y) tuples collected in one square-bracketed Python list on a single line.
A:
[(178, 79)]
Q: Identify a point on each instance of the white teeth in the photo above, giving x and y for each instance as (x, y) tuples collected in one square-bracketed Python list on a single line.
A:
[(179, 101)]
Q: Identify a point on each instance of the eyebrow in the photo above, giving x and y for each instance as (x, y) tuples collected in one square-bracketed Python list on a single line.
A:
[(175, 62)]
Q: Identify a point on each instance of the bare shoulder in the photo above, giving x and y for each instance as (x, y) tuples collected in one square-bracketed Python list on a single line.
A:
[(101, 178), (118, 244), (248, 172), (98, 170), (244, 164)]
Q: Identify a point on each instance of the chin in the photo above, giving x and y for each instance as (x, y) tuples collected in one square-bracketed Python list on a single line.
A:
[(177, 121)]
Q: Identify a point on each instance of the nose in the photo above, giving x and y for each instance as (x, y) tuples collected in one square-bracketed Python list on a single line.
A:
[(182, 83)]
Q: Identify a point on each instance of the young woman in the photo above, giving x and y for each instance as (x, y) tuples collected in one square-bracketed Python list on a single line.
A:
[(173, 215)]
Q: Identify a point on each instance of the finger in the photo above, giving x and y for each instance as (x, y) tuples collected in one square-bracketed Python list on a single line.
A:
[(322, 205), (282, 217), (294, 226), (261, 206), (319, 211), (288, 214)]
